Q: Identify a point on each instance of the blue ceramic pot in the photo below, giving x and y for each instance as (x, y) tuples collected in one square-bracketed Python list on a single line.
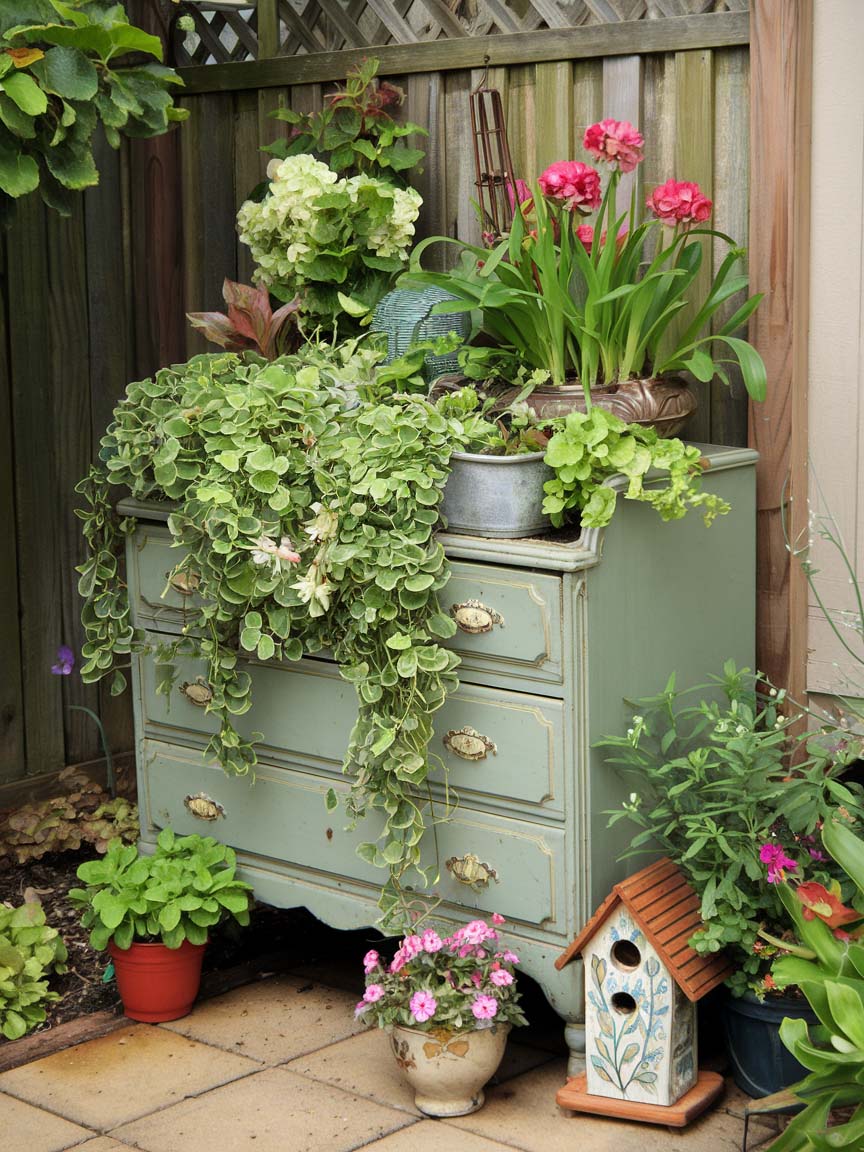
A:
[(761, 1063)]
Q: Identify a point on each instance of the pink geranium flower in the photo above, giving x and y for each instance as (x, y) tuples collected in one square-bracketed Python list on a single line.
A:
[(411, 946), (615, 141), (371, 961), (510, 958), (484, 1007), (679, 202), (373, 992), (423, 1005), (501, 977), (571, 185), (431, 941), (778, 862)]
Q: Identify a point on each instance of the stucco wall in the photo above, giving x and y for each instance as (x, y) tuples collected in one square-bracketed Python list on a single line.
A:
[(836, 349)]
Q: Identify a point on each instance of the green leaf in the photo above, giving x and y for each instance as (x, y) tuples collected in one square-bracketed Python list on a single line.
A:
[(68, 73), (19, 174), (25, 92), (73, 166), (266, 647), (331, 800)]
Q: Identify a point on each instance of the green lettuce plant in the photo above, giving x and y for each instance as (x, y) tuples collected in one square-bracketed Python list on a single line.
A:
[(29, 952), (712, 785), (304, 498), (64, 68), (185, 888)]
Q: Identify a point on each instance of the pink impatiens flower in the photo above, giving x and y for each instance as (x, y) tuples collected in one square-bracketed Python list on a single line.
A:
[(501, 977), (423, 1005), (679, 202), (778, 862), (373, 992), (371, 961), (484, 1007), (616, 142), (431, 941), (572, 185)]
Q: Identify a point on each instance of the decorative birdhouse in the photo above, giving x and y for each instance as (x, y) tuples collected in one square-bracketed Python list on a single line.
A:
[(642, 983)]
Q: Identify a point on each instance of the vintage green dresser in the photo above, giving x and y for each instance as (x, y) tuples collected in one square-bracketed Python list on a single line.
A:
[(553, 635)]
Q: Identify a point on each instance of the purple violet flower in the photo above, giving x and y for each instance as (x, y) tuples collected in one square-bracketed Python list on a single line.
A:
[(65, 661)]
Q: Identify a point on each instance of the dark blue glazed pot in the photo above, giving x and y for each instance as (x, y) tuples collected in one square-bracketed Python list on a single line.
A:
[(761, 1063)]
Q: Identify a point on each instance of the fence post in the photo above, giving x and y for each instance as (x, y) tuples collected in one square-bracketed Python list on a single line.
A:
[(268, 28)]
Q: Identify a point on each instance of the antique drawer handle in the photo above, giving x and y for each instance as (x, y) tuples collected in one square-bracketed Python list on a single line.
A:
[(473, 617), (186, 583), (198, 692), (469, 869), (204, 807), (468, 744)]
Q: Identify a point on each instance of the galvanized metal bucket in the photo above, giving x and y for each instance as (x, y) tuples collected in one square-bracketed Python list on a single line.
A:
[(497, 496)]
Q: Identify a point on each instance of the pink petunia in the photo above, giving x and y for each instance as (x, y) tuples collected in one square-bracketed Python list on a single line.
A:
[(501, 977), (679, 202), (431, 941), (571, 185), (373, 992), (423, 1005), (371, 961), (484, 1007), (617, 142)]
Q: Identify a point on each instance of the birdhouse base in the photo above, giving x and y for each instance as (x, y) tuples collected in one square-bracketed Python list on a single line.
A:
[(708, 1087)]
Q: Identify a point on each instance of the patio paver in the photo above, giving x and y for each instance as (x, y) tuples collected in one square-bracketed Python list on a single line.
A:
[(274, 1020), (431, 1136), (272, 1111), (105, 1082), (102, 1144), (364, 1064), (35, 1130)]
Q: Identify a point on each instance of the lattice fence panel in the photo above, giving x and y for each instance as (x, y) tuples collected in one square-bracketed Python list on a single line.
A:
[(225, 32)]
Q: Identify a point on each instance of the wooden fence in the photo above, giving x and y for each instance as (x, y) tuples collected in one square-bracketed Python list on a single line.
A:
[(97, 300)]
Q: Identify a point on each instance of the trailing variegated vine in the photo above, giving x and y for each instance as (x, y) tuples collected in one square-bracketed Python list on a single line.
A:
[(308, 524)]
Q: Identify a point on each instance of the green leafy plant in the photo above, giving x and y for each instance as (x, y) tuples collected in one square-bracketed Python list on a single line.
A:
[(29, 952), (594, 446), (185, 888), (714, 786), (461, 982), (827, 963), (306, 510), (334, 243), (83, 814), (355, 131), (64, 68)]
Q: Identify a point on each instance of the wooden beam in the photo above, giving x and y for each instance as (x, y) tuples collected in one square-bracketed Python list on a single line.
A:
[(675, 34), (780, 81)]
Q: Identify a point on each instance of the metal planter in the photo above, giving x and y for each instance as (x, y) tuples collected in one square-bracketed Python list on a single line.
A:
[(496, 496)]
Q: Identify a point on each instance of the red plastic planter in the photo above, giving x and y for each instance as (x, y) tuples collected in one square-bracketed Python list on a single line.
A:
[(157, 983)]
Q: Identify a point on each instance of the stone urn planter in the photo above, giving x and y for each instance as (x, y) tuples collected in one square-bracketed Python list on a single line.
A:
[(448, 1070), (496, 496)]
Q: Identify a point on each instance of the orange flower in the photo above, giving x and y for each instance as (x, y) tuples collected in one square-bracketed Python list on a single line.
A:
[(21, 57), (818, 901), (768, 982)]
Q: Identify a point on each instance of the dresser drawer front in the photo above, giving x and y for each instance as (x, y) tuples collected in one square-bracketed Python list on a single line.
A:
[(282, 816), (509, 620), (505, 745)]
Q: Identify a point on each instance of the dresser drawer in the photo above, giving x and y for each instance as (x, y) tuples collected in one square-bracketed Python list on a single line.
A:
[(506, 745), (282, 816), (509, 620)]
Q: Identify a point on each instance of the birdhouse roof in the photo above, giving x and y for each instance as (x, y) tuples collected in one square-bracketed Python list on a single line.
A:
[(666, 909)]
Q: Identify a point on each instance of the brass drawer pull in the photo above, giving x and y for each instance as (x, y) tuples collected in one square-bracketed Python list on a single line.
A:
[(198, 692), (186, 583), (468, 744), (473, 617), (469, 869), (204, 807)]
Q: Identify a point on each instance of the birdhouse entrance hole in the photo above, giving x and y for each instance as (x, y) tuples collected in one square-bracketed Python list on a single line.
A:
[(624, 1003), (625, 955)]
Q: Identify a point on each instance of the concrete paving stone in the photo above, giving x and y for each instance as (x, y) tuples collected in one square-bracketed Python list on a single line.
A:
[(272, 1111), (365, 1065), (522, 1113), (274, 1020), (118, 1077), (101, 1144), (24, 1126), (430, 1136)]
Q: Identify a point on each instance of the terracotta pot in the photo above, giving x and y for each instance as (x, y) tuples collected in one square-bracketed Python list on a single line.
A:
[(448, 1070), (157, 983), (664, 404)]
